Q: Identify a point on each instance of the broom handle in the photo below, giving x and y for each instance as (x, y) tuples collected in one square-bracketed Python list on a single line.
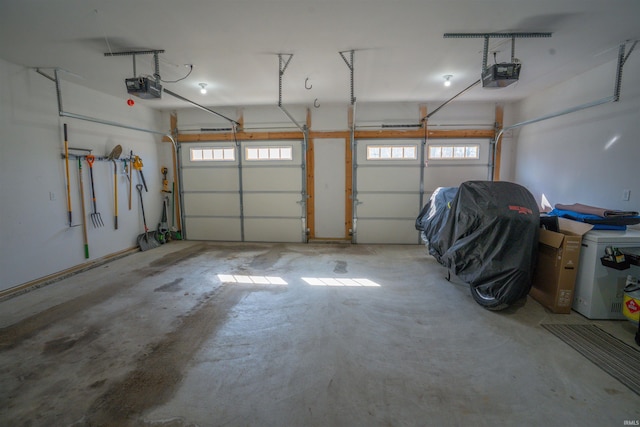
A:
[(84, 214)]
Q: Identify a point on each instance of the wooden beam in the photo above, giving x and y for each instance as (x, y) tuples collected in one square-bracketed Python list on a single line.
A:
[(311, 217), (173, 121), (348, 193), (423, 113), (245, 136), (498, 156), (240, 118), (359, 134), (432, 134), (330, 134)]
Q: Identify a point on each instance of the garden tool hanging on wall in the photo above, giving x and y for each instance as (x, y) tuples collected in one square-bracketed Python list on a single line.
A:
[(113, 156), (165, 182), (84, 214), (137, 165), (66, 161), (95, 216)]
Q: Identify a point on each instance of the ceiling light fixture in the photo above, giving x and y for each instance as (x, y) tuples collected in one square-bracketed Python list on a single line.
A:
[(203, 90), (447, 80)]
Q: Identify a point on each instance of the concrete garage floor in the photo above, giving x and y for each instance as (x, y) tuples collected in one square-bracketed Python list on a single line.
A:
[(164, 338)]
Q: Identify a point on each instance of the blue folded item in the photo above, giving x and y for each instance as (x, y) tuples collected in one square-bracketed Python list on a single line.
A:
[(598, 222)]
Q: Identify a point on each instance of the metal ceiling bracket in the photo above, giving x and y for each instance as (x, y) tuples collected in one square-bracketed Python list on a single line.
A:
[(487, 36), (495, 35), (485, 53), (282, 67), (622, 58), (133, 53), (349, 63), (305, 137)]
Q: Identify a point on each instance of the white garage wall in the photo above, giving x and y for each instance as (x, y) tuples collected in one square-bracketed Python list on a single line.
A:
[(36, 238), (588, 156)]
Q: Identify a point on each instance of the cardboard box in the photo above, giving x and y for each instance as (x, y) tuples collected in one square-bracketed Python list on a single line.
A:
[(554, 279)]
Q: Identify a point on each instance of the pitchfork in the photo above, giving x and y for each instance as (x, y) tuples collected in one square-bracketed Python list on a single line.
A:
[(95, 216)]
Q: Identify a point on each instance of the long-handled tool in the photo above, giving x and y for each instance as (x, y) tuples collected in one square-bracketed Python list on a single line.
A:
[(175, 232), (95, 216), (84, 214), (146, 240), (137, 164), (163, 226), (115, 193), (66, 160), (127, 172), (115, 154)]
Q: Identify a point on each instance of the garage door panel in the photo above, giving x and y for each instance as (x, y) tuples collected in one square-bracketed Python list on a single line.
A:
[(388, 178), (442, 176), (210, 179), (388, 205), (393, 231), (272, 229), (221, 229), (212, 204), (272, 204), (271, 179)]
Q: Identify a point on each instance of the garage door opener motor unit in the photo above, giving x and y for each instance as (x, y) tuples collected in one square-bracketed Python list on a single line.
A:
[(505, 73), (501, 75), (140, 86), (143, 87)]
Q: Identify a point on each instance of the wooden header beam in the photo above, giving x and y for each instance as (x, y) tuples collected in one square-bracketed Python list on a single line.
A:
[(359, 134)]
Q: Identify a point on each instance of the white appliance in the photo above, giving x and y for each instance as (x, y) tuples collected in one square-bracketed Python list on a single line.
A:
[(599, 290)]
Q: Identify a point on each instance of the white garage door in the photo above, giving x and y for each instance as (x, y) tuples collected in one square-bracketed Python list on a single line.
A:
[(391, 185), (387, 191), (252, 192)]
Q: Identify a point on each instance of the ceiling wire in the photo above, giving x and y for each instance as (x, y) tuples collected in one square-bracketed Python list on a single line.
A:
[(101, 25), (104, 32)]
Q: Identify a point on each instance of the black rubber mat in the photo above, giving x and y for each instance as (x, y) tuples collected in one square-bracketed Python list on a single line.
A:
[(613, 356)]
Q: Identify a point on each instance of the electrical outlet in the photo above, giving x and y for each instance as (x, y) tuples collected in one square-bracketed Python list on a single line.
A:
[(52, 195), (626, 195)]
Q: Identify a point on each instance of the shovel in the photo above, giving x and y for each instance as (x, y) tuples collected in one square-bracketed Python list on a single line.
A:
[(146, 240)]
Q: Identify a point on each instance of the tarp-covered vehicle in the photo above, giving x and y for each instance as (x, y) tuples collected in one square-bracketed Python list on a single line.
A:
[(486, 233)]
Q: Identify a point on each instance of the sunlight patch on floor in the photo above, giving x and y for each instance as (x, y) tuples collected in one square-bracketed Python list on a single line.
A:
[(330, 281), (259, 280)]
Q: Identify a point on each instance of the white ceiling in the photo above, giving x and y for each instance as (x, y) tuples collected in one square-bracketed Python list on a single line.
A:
[(400, 52)]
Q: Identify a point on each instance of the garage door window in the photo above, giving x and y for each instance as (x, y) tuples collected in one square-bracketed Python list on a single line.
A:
[(222, 154), (454, 152), (269, 153), (392, 152)]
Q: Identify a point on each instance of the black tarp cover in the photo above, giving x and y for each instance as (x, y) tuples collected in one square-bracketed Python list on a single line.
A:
[(486, 233)]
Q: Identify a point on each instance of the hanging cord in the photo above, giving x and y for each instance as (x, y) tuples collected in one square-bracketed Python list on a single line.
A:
[(104, 33), (180, 79)]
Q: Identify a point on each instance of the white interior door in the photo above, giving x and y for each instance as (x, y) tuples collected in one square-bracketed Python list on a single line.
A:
[(329, 188)]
